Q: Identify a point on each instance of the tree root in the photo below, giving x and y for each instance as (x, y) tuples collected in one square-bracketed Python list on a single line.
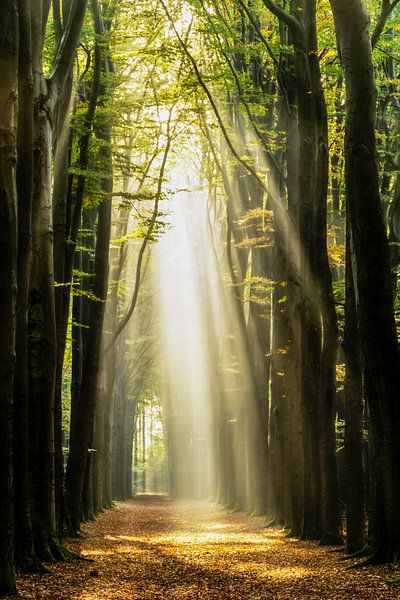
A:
[(42, 569), (358, 554), (396, 557), (9, 596), (63, 554), (377, 557), (30, 565), (368, 562), (75, 556), (59, 551), (292, 533), (45, 555), (257, 512), (271, 523), (75, 535)]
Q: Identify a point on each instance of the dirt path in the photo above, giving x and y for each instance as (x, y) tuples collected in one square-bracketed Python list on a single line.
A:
[(158, 549)]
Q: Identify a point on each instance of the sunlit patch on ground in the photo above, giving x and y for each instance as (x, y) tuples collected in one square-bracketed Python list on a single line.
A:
[(277, 573), (116, 550), (212, 538), (148, 550)]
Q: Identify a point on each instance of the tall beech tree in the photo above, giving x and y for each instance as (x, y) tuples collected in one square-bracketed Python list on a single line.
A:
[(373, 276), (68, 197), (24, 550), (78, 451), (317, 311), (48, 93), (354, 409), (9, 34)]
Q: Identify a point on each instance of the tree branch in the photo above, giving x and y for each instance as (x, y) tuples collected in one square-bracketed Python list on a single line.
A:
[(69, 42), (386, 10), (126, 318), (294, 25), (57, 21), (237, 81), (214, 107), (257, 29)]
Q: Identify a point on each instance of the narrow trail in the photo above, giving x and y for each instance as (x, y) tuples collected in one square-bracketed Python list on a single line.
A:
[(154, 548)]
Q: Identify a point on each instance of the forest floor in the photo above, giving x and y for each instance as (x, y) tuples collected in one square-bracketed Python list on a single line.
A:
[(156, 548)]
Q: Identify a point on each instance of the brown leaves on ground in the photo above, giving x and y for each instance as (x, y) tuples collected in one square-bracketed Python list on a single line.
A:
[(155, 548)]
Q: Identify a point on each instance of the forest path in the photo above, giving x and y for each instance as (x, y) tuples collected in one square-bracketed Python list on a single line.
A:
[(155, 548)]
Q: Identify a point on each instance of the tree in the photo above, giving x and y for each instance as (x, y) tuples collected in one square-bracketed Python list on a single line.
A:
[(318, 335), (48, 93), (25, 557), (373, 277), (8, 279)]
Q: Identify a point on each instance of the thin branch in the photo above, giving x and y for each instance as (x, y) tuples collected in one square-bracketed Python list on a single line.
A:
[(125, 320), (257, 29), (239, 86), (230, 197), (87, 65), (279, 211), (250, 116), (213, 104)]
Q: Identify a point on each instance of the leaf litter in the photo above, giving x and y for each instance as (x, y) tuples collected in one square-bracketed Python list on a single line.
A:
[(155, 548)]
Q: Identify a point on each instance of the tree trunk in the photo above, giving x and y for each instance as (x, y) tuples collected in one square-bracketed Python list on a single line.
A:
[(61, 200), (286, 242), (353, 433), (8, 281), (81, 432), (42, 338), (309, 267), (319, 336), (42, 345), (24, 551), (377, 324), (80, 325)]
